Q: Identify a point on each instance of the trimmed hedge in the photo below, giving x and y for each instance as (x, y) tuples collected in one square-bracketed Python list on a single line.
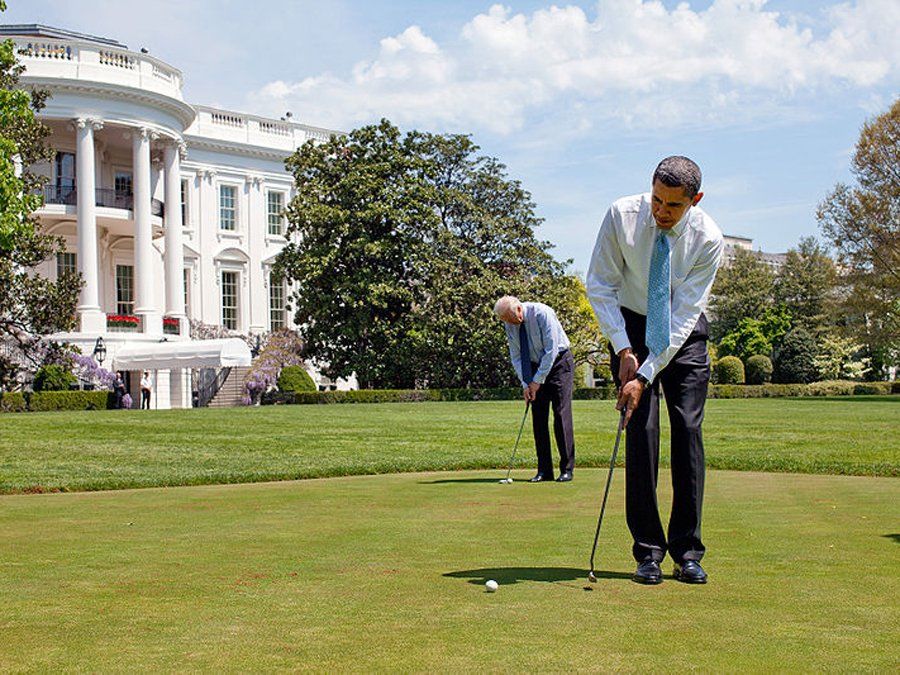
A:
[(42, 401), (835, 388), (295, 379), (415, 395), (13, 401), (758, 369), (830, 388), (729, 370)]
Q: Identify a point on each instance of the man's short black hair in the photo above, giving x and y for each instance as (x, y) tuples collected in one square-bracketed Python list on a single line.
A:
[(678, 171)]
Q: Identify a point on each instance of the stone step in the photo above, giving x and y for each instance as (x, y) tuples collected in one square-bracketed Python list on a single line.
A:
[(229, 395)]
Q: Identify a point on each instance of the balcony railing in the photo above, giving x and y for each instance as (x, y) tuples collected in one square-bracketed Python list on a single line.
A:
[(55, 194)]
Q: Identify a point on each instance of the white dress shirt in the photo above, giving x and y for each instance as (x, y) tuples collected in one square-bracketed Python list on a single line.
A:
[(620, 267)]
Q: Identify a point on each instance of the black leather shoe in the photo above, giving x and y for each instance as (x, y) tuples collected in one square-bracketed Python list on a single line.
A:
[(564, 477), (540, 478), (690, 572), (648, 572)]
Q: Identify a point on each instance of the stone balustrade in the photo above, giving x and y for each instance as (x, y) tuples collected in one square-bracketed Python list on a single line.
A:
[(87, 61)]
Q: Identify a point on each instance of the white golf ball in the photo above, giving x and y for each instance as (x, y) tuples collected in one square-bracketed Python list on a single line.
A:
[(491, 586)]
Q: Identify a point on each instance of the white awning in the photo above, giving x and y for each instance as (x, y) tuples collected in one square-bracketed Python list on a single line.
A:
[(227, 353)]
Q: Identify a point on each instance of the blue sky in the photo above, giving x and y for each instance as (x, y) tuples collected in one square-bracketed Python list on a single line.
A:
[(579, 99)]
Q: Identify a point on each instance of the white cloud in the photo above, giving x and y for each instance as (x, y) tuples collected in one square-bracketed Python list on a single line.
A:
[(633, 62)]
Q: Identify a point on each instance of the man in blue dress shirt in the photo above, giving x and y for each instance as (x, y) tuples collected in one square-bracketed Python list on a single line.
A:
[(649, 279), (539, 350)]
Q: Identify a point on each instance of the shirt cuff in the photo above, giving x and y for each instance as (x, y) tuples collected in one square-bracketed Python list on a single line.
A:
[(648, 369), (620, 341), (539, 379)]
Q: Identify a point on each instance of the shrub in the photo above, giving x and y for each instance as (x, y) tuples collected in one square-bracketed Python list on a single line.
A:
[(41, 401), (759, 369), (12, 401), (499, 394), (53, 377), (795, 358), (418, 395), (594, 393), (863, 388), (295, 379), (830, 388), (729, 370)]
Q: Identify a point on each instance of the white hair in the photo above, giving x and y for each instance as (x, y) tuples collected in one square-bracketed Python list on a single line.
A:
[(505, 305)]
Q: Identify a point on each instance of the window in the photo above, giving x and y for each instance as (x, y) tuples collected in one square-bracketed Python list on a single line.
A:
[(65, 177), (125, 289), (275, 212), (230, 300), (276, 304), (227, 207), (123, 188), (187, 292), (184, 203), (66, 263)]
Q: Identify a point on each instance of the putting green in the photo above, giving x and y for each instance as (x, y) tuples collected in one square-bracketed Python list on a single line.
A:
[(388, 572)]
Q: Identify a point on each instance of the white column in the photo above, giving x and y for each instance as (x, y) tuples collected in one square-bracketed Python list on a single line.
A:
[(258, 308), (92, 319), (144, 305), (174, 262)]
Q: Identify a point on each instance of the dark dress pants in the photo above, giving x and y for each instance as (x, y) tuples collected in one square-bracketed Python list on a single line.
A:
[(684, 382), (555, 392)]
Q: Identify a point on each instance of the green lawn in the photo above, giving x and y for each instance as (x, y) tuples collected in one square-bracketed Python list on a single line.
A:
[(386, 573), (115, 449)]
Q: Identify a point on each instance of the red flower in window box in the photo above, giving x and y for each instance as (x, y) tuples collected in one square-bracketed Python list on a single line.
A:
[(122, 320)]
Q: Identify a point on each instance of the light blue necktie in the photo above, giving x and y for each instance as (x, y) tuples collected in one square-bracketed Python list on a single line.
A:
[(658, 297)]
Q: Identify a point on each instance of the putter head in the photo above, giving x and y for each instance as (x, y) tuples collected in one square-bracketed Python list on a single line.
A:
[(591, 577), (506, 481)]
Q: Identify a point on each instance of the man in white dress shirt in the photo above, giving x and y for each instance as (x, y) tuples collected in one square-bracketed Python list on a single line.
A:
[(649, 279)]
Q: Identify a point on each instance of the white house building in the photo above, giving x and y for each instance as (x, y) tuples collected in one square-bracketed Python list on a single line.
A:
[(169, 210)]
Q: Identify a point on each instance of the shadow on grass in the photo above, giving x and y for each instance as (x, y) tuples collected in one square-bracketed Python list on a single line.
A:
[(459, 480), (893, 537), (513, 575)]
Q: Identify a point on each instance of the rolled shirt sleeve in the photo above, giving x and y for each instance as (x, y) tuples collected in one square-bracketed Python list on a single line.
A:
[(688, 302), (604, 278)]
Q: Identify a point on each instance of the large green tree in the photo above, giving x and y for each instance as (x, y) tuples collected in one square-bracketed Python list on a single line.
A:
[(805, 286), (30, 305), (862, 221), (399, 246), (742, 289)]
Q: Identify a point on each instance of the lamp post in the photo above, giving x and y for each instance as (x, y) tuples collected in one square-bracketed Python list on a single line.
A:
[(99, 351)]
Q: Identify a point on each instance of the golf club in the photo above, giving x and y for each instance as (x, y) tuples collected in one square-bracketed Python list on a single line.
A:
[(612, 464), (516, 446)]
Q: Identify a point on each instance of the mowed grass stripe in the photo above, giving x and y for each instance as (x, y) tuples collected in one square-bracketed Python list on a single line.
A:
[(387, 573), (114, 449)]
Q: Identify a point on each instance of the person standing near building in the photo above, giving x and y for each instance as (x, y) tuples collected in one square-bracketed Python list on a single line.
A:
[(649, 279), (118, 390), (539, 350), (146, 390)]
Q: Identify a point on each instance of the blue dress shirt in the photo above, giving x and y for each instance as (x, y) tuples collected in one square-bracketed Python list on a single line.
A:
[(546, 339)]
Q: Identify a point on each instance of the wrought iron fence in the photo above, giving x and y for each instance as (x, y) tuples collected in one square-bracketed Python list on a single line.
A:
[(108, 197)]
